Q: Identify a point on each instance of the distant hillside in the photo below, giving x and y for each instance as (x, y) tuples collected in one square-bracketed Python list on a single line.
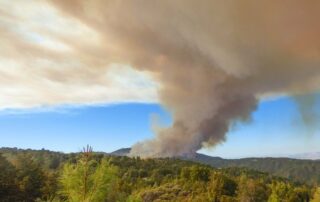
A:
[(121, 152), (294, 169)]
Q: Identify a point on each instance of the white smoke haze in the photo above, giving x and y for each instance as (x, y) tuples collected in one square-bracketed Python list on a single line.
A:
[(213, 60)]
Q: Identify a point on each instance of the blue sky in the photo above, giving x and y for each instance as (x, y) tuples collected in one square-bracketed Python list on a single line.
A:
[(276, 129), (47, 61)]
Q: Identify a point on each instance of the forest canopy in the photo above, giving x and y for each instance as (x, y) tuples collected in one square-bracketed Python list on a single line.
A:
[(29, 175)]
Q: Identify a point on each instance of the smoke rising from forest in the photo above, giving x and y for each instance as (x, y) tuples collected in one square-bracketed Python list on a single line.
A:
[(214, 60)]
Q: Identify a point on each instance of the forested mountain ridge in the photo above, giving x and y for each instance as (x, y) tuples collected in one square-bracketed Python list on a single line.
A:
[(30, 175), (307, 171)]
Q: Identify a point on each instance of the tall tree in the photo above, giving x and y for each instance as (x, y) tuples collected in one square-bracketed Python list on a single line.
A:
[(30, 177), (251, 190), (8, 189), (87, 180), (221, 186)]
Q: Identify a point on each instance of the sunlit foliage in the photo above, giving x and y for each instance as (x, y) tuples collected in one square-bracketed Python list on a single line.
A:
[(96, 177)]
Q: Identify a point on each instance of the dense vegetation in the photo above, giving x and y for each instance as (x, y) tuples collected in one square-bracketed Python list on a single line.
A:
[(28, 175), (307, 171)]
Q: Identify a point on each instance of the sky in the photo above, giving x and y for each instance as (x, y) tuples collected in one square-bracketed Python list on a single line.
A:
[(108, 73), (276, 129)]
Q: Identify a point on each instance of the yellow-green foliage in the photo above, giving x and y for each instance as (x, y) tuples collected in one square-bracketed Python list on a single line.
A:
[(87, 180), (316, 197), (282, 191), (96, 177)]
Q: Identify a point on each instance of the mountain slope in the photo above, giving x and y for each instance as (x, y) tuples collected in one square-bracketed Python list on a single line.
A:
[(299, 170), (121, 152), (294, 169)]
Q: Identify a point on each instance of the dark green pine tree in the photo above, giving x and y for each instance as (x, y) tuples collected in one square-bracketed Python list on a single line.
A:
[(9, 191)]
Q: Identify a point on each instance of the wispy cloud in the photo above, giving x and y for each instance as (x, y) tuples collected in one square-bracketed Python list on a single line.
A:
[(41, 65)]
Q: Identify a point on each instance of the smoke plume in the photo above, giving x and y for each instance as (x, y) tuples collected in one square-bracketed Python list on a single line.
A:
[(214, 60)]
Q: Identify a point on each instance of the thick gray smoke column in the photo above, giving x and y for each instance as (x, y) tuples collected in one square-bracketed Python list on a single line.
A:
[(214, 59)]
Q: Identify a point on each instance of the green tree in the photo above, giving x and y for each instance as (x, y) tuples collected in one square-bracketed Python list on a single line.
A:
[(8, 189), (251, 190), (221, 186), (199, 173), (30, 177), (282, 191), (87, 180), (50, 187)]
